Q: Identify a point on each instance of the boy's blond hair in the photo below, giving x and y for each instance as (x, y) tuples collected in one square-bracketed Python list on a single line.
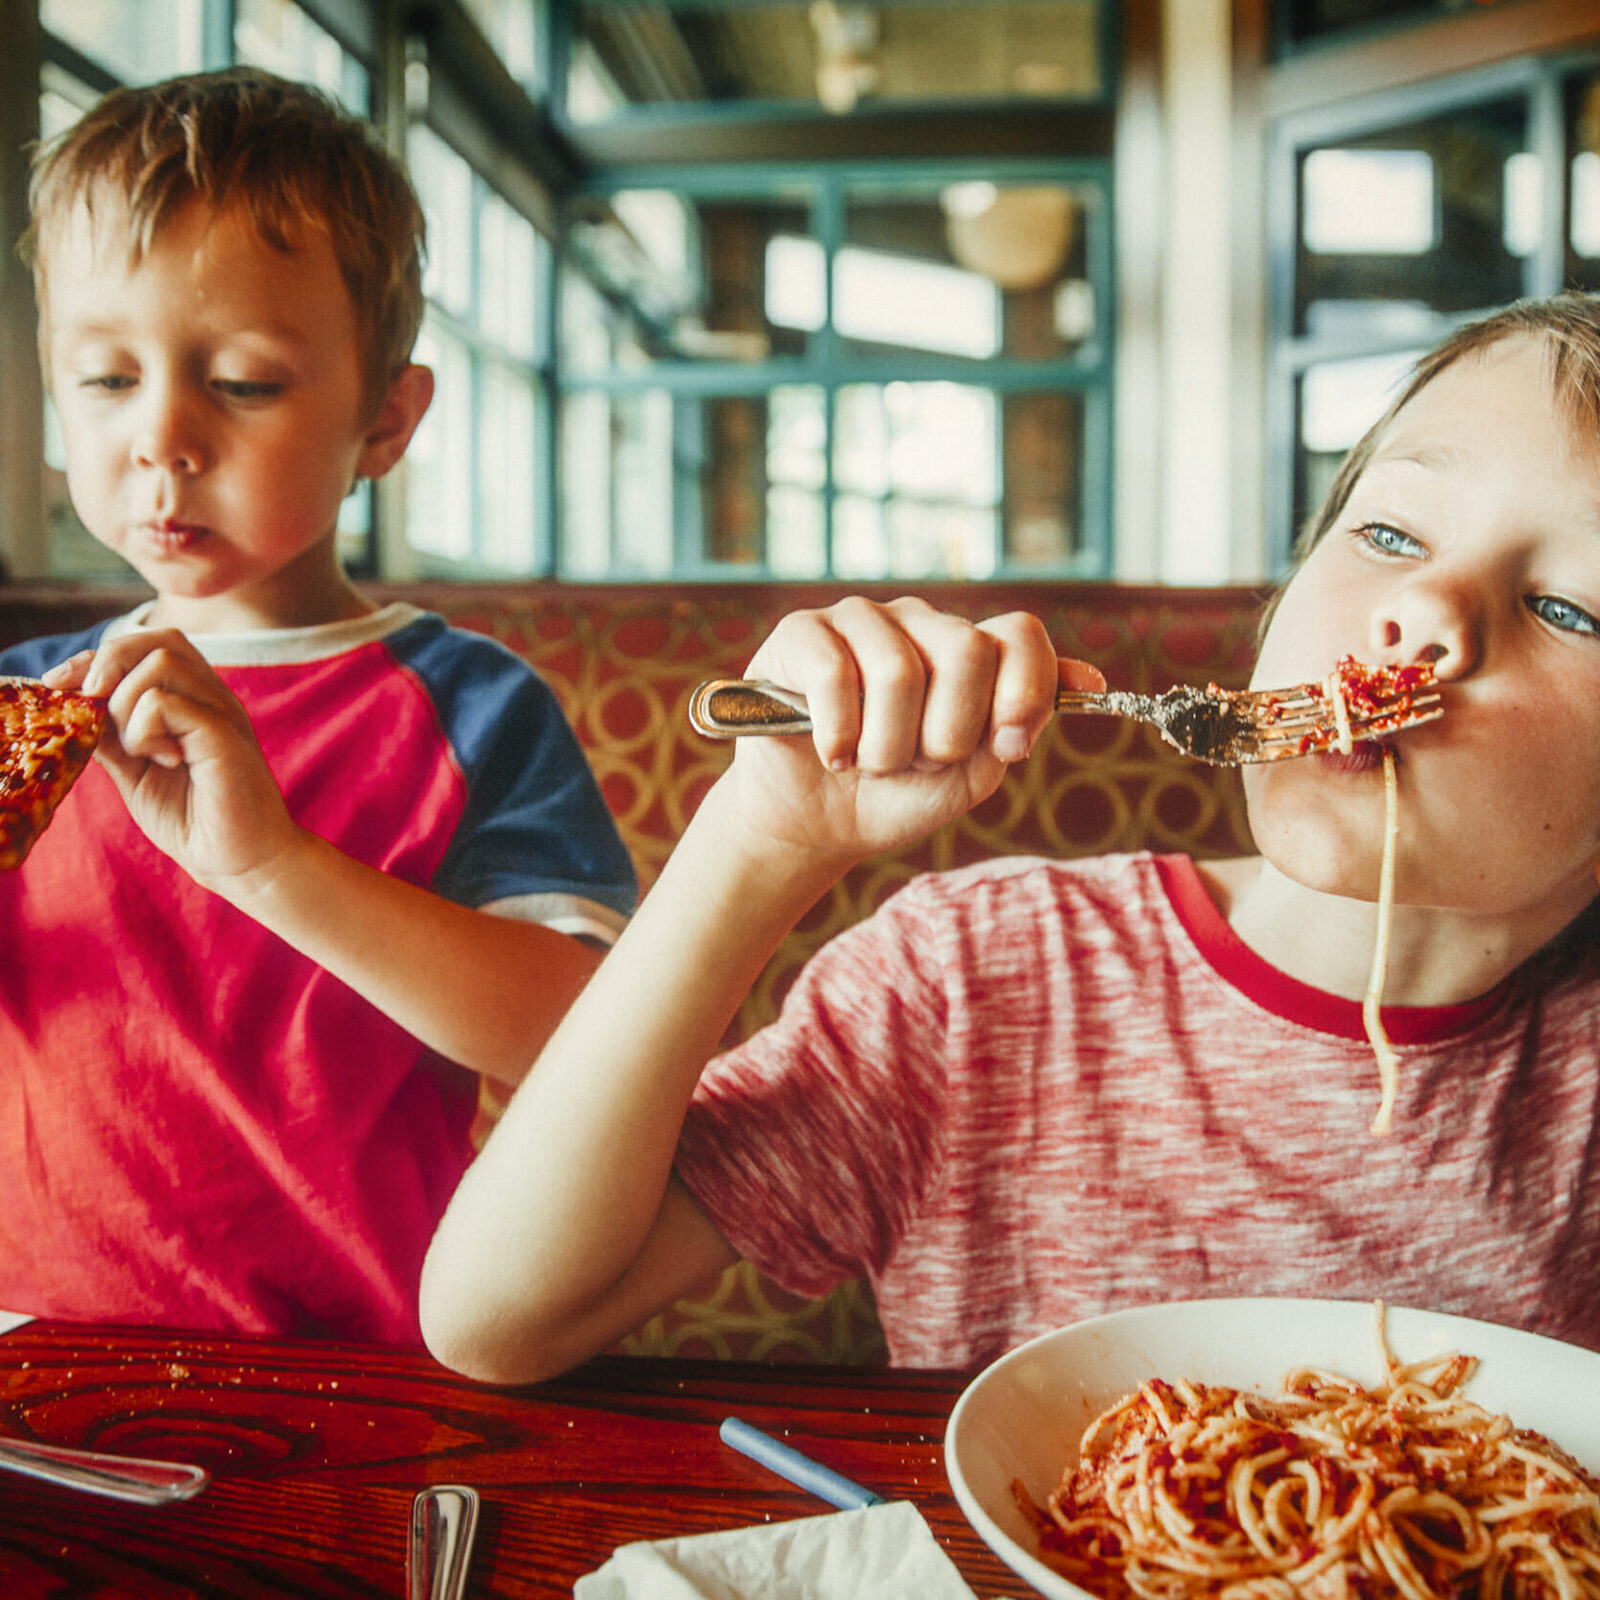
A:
[(284, 151)]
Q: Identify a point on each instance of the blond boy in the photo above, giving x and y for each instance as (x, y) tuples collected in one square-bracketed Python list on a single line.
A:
[(336, 860)]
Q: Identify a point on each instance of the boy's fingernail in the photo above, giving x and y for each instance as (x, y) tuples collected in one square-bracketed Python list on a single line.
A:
[(1010, 744)]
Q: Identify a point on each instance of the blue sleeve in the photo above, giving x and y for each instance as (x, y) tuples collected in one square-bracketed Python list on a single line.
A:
[(33, 657), (535, 822)]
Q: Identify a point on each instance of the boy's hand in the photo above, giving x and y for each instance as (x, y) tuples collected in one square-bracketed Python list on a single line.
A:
[(183, 755), (915, 716)]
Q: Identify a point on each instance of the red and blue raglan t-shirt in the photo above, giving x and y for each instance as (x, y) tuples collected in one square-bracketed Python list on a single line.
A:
[(200, 1127)]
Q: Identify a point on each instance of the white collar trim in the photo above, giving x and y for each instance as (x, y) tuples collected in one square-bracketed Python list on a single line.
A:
[(276, 647)]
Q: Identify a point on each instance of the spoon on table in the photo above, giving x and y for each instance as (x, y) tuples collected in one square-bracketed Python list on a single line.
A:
[(443, 1522), (150, 1483)]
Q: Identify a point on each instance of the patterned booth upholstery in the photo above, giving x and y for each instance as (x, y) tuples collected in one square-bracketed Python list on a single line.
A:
[(624, 661)]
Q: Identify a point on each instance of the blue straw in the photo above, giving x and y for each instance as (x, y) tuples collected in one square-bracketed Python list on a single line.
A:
[(811, 1475)]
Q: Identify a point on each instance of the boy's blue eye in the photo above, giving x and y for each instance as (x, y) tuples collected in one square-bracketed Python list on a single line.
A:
[(1389, 541), (1563, 614)]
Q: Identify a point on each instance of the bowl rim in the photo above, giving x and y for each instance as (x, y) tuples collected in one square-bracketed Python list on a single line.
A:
[(1051, 1583)]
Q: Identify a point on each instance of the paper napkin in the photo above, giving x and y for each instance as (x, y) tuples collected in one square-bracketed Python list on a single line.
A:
[(878, 1553)]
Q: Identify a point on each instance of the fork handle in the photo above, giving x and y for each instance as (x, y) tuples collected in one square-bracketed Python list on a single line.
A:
[(730, 708), (118, 1477)]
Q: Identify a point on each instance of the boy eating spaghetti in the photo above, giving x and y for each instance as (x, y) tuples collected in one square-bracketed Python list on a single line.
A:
[(334, 861), (1026, 1092)]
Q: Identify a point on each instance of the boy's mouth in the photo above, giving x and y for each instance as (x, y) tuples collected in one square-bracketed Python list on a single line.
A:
[(169, 536), (1365, 755)]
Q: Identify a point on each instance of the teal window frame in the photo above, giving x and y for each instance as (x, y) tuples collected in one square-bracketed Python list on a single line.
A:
[(1087, 372)]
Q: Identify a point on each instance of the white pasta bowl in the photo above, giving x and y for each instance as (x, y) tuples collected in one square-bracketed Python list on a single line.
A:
[(1022, 1417)]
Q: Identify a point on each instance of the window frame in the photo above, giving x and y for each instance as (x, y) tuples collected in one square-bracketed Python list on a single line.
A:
[(1088, 372), (1541, 80)]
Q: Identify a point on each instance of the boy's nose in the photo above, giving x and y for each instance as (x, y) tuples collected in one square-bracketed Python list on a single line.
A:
[(1432, 622), (167, 436)]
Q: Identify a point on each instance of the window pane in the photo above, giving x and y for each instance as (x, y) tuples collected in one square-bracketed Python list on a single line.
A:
[(509, 26), (444, 185), (1583, 240), (916, 465), (279, 36), (439, 463), (835, 57), (1428, 217), (1338, 402), (505, 469), (1043, 464), (687, 279), (136, 41), (617, 486), (509, 248), (973, 269)]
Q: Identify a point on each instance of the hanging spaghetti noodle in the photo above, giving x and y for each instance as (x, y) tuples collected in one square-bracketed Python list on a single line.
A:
[(1328, 1491), (1371, 1015)]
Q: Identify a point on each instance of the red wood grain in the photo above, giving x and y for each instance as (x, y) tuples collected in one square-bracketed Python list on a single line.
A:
[(317, 1449)]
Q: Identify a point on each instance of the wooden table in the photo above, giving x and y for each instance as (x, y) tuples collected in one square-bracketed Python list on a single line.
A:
[(317, 1450)]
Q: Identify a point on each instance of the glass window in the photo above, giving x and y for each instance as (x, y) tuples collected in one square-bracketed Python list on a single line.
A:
[(1583, 209), (659, 276), (1405, 226), (278, 36), (973, 268), (840, 378), (1339, 401), (511, 28), (473, 480), (136, 41), (831, 55), (1414, 216)]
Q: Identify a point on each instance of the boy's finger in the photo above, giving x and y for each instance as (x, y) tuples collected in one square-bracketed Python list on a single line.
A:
[(68, 674), (894, 674), (1029, 674), (961, 662)]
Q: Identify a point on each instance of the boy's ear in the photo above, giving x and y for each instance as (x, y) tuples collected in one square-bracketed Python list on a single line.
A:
[(402, 410)]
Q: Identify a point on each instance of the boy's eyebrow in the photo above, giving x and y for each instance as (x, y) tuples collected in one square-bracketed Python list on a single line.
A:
[(1433, 457), (101, 327)]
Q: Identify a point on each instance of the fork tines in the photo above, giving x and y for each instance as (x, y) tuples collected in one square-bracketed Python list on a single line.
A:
[(1354, 702)]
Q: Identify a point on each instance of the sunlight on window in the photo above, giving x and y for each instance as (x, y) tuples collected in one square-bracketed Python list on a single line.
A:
[(796, 283), (136, 41), (920, 305), (881, 298), (444, 186), (1340, 400), (1586, 204), (1369, 202), (1523, 186), (279, 36), (439, 464)]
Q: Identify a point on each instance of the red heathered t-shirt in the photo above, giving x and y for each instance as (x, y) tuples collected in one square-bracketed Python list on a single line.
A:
[(1029, 1092)]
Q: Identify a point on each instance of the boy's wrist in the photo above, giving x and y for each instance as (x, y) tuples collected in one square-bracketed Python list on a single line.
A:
[(270, 883)]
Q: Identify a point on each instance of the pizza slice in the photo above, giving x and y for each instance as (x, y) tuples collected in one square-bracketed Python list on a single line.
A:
[(46, 738)]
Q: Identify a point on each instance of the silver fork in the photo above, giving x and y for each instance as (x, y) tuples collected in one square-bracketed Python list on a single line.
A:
[(1226, 727)]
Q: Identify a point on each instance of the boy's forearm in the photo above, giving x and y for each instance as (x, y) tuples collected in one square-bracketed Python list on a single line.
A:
[(540, 1258), (485, 991)]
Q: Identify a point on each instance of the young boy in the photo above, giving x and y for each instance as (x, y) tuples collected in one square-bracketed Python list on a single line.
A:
[(334, 861), (1028, 1092)]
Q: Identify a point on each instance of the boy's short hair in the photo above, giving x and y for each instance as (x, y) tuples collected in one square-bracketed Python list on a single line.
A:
[(284, 151), (1568, 322)]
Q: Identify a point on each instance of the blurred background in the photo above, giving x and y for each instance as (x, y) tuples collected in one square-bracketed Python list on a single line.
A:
[(910, 290)]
